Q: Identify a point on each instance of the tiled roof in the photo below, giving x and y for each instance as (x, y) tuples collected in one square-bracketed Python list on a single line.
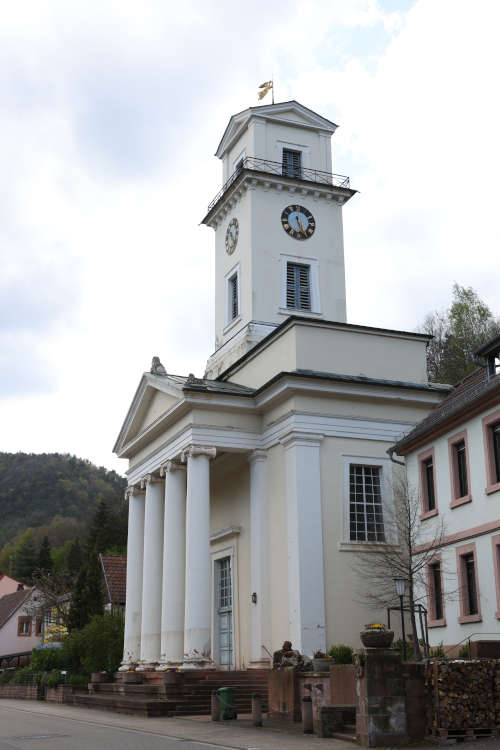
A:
[(11, 602), (115, 575), (466, 392)]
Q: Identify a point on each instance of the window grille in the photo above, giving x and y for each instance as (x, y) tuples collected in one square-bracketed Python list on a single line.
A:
[(437, 591), (429, 483), (225, 588), (366, 520), (233, 297), (292, 163), (298, 287), (463, 485), (470, 583)]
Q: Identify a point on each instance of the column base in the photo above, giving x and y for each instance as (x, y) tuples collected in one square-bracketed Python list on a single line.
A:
[(146, 666), (163, 666), (189, 665)]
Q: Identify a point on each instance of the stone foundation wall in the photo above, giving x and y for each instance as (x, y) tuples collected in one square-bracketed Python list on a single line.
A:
[(21, 692)]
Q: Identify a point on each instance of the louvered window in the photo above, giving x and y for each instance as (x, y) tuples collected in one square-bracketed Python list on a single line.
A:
[(233, 297), (292, 163), (298, 286)]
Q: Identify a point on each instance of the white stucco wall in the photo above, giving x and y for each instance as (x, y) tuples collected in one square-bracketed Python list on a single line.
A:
[(464, 520), (11, 642)]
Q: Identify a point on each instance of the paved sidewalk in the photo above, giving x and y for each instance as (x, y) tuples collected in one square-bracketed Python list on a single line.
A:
[(232, 735)]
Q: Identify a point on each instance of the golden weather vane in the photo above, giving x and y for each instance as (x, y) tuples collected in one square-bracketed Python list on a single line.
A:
[(265, 88)]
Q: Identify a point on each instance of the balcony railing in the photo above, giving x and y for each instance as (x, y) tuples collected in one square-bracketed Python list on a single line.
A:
[(283, 170)]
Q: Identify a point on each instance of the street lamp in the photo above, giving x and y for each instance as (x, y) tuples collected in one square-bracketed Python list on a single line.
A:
[(400, 584)]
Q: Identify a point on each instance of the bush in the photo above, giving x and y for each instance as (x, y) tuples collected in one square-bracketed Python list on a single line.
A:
[(73, 651), (26, 676), (6, 676), (464, 652), (53, 679), (341, 654), (103, 643), (437, 652), (46, 659), (79, 680)]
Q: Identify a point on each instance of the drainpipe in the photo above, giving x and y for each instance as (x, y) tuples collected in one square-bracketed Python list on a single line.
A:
[(390, 451)]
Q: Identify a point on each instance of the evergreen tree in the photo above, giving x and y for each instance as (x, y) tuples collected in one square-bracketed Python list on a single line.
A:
[(75, 558), (44, 556), (26, 558), (94, 593), (77, 617)]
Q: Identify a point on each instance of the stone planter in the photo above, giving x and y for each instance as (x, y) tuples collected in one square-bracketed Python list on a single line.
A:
[(376, 638), (97, 677), (322, 664)]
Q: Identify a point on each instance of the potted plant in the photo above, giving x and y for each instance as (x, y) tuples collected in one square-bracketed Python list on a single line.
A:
[(376, 635), (321, 662)]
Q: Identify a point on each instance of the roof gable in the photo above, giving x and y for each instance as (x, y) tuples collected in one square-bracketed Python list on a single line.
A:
[(10, 603), (291, 113), (155, 395)]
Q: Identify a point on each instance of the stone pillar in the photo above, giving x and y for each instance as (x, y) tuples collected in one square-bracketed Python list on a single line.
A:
[(259, 560), (198, 608), (174, 565), (152, 571), (306, 587), (135, 549), (380, 699)]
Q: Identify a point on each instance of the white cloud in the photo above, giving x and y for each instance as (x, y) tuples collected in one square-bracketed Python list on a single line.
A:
[(110, 115)]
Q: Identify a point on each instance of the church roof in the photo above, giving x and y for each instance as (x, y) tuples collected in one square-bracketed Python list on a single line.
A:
[(277, 112)]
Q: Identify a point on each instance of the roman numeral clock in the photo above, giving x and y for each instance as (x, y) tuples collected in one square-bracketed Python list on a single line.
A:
[(298, 222)]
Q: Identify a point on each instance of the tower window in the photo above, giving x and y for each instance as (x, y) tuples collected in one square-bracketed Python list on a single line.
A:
[(298, 286), (292, 163), (233, 296), (366, 520)]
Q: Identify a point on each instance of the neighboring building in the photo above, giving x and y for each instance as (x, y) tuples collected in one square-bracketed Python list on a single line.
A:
[(114, 570), (252, 489), (8, 584), (20, 631), (453, 462), (54, 618)]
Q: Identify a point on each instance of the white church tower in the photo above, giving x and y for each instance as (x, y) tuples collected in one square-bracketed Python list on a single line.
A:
[(279, 247)]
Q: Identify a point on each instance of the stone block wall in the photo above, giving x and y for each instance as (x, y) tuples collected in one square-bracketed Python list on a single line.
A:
[(21, 692), (381, 699)]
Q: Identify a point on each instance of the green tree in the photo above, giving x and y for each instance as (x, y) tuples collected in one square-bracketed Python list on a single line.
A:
[(44, 556), (26, 557), (87, 596), (77, 616), (75, 558), (458, 332), (95, 598)]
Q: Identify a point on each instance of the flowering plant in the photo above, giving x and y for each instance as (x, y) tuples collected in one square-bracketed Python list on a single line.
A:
[(374, 626)]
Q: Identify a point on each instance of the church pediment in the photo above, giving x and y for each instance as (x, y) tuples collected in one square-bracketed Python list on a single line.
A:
[(286, 112), (156, 395)]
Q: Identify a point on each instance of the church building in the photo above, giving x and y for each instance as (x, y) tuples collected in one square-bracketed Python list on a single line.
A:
[(252, 489)]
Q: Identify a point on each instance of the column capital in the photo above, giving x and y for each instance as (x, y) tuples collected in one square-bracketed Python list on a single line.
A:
[(149, 479), (311, 439), (173, 464), (257, 455), (133, 489), (198, 450)]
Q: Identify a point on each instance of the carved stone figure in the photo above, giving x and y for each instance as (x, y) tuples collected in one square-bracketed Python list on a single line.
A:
[(289, 657), (157, 367)]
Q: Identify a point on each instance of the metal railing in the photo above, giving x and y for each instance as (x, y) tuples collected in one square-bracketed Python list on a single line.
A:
[(277, 168)]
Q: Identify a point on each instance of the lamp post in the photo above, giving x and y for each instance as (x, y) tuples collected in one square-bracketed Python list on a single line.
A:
[(400, 584)]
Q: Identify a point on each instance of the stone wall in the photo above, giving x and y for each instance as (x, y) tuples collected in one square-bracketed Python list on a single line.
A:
[(22, 692)]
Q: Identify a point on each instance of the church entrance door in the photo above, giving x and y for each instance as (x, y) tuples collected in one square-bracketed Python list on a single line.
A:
[(224, 609)]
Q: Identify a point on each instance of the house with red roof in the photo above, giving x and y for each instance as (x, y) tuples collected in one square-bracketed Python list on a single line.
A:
[(20, 629), (8, 584)]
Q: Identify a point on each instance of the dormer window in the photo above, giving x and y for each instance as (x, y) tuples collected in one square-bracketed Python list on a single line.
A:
[(292, 163), (489, 354)]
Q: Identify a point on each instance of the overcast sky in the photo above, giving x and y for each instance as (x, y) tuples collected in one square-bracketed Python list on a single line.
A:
[(111, 112)]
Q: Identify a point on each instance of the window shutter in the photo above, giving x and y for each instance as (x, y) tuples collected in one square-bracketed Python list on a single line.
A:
[(298, 287), (292, 163)]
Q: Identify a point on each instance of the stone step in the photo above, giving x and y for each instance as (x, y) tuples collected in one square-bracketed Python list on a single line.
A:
[(123, 704)]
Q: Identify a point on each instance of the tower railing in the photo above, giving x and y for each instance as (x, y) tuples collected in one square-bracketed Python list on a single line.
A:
[(277, 168)]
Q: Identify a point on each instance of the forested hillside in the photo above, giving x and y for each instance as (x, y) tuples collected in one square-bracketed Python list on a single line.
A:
[(53, 495)]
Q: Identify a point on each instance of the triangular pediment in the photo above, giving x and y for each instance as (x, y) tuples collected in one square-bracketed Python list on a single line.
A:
[(285, 112), (155, 395)]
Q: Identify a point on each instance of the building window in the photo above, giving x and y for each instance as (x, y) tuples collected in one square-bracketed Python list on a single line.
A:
[(491, 441), (366, 519), (24, 626), (435, 593), (292, 163), (459, 469), (470, 609), (232, 296), (428, 495), (298, 286), (495, 541), (39, 626)]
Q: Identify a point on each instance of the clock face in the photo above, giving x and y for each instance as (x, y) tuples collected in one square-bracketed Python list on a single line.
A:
[(232, 233), (298, 222)]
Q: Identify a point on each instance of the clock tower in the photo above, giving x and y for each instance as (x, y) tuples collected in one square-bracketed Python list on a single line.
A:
[(278, 227)]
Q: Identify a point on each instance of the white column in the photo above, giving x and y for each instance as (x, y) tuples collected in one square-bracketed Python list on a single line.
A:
[(174, 565), (133, 606), (198, 608), (306, 588), (259, 560), (152, 571)]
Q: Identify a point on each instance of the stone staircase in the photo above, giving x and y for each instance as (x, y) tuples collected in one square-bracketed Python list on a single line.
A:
[(189, 695)]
